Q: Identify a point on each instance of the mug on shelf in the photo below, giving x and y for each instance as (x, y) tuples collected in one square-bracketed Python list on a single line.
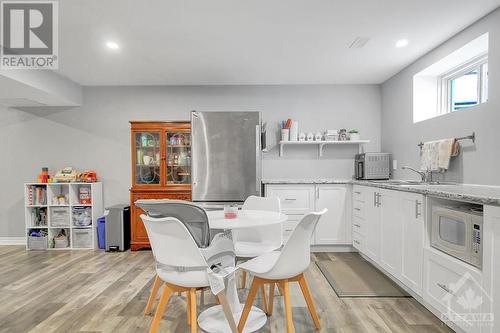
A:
[(285, 134)]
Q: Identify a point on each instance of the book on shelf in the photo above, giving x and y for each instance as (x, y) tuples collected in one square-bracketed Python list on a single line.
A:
[(37, 195), (39, 217)]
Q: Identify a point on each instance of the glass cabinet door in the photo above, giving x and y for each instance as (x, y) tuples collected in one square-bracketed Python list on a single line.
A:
[(178, 158), (147, 158)]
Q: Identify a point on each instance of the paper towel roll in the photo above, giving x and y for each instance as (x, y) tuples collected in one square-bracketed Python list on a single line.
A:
[(294, 131)]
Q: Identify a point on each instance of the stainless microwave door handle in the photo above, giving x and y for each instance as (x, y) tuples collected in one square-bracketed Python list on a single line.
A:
[(417, 210)]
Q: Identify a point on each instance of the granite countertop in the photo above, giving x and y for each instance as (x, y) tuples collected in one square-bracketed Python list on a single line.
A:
[(481, 194), (307, 181)]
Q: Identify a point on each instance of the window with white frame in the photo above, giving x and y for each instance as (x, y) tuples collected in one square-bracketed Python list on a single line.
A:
[(465, 86), (459, 81)]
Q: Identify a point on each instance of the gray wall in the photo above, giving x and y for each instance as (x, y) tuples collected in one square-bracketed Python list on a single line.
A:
[(477, 164), (97, 135)]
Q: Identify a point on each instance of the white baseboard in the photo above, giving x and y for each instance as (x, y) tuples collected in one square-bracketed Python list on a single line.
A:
[(12, 240), (332, 248)]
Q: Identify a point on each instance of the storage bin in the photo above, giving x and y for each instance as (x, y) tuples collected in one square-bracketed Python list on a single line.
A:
[(37, 243), (82, 238), (101, 232), (82, 216), (59, 217)]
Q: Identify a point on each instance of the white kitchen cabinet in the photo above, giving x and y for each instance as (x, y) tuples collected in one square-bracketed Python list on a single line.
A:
[(371, 239), (298, 199), (333, 227), (391, 227), (413, 229)]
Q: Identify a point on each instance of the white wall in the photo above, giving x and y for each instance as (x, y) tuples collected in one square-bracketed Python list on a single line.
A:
[(97, 134), (477, 164)]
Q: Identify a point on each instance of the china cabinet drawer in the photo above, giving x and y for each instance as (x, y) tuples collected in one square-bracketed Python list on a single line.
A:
[(294, 199)]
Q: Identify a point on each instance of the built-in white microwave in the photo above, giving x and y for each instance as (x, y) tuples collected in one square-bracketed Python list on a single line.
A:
[(457, 231)]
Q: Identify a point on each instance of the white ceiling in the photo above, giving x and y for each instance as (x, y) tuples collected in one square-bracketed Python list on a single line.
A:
[(195, 42)]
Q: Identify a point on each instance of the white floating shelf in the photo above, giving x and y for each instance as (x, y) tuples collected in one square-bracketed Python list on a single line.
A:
[(320, 144)]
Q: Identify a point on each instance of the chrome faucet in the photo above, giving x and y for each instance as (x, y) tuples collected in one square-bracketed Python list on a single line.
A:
[(423, 175)]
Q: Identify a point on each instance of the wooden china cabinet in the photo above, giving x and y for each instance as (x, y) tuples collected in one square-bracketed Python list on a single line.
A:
[(161, 168)]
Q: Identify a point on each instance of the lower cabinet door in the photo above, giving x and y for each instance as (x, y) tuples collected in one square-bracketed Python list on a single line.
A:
[(332, 227), (413, 211), (390, 232), (371, 239)]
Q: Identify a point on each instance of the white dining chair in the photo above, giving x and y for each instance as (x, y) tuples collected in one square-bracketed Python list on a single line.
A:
[(282, 267), (252, 242), (180, 265)]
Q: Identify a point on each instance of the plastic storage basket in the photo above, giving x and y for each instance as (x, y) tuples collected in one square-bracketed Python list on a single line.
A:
[(59, 217), (82, 238), (37, 243)]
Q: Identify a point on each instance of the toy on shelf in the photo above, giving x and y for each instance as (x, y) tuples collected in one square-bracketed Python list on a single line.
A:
[(44, 177), (87, 176), (65, 175)]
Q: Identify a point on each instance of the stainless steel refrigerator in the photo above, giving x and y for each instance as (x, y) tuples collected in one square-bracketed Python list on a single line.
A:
[(226, 161)]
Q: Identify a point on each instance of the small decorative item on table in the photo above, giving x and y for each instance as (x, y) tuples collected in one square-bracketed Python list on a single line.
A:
[(230, 211)]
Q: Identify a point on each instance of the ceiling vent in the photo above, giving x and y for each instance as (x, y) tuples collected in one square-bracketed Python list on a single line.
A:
[(359, 42)]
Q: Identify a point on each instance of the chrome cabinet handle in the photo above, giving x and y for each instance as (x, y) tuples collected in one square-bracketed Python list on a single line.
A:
[(358, 209), (258, 150), (357, 242), (357, 192), (290, 199), (375, 199), (378, 199), (445, 288), (357, 225), (317, 193), (417, 212)]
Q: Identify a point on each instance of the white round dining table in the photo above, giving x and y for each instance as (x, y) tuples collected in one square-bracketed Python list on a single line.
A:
[(213, 319)]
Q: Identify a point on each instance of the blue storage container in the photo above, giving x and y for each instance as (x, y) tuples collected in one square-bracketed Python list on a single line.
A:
[(101, 232)]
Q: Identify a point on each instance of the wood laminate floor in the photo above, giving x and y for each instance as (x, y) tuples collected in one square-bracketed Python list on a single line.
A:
[(94, 291)]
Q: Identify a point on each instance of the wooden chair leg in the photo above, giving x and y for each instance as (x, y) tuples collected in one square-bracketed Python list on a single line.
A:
[(271, 300), (161, 308), (152, 296), (188, 301), (192, 303), (309, 300), (248, 304), (243, 279), (288, 307), (264, 298)]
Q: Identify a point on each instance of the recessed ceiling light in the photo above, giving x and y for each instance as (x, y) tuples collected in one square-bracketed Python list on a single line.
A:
[(112, 45), (402, 43)]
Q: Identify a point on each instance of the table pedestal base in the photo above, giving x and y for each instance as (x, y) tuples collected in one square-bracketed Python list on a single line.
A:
[(212, 320)]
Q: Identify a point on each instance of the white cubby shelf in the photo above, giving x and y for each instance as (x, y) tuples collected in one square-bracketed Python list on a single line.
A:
[(52, 206)]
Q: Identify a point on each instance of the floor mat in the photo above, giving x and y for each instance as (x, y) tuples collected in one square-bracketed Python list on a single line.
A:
[(352, 276)]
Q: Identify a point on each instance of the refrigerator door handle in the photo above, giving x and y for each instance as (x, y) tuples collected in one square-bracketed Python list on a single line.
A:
[(257, 157)]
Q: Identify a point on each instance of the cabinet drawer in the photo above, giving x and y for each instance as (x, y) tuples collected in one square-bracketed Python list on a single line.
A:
[(357, 241), (289, 226), (296, 199), (358, 209), (359, 193), (357, 225), (448, 283)]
